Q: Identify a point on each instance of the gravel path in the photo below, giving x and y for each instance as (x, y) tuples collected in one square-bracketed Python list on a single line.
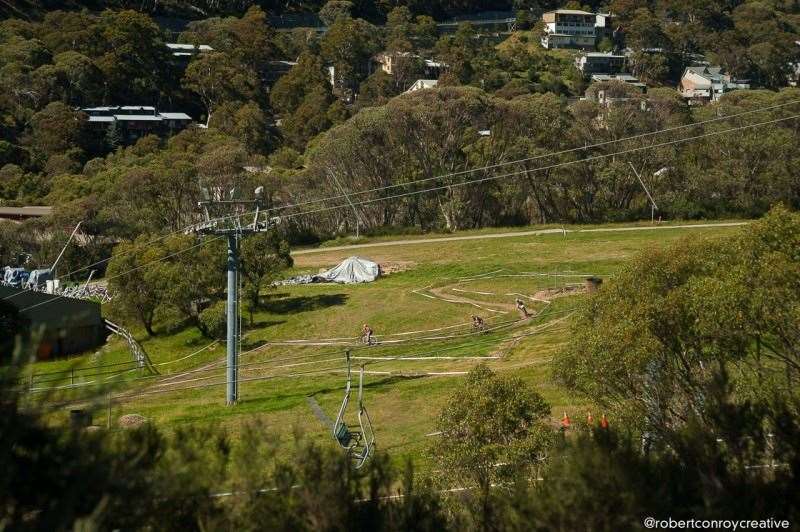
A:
[(515, 234)]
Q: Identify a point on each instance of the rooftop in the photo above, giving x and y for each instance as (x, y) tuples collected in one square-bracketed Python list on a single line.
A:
[(423, 84), (137, 118), (622, 77), (603, 54), (131, 113), (32, 210), (189, 47), (711, 73), (176, 116), (571, 12)]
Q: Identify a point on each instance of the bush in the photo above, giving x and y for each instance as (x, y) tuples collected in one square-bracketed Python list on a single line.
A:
[(213, 321)]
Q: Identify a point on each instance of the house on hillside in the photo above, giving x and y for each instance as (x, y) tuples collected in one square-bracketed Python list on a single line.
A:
[(387, 61), (276, 70), (794, 75), (608, 99), (185, 51), (705, 83), (134, 121), (421, 84), (600, 63), (569, 28), (625, 78), (604, 27)]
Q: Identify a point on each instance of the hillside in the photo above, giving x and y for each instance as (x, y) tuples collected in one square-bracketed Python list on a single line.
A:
[(296, 347)]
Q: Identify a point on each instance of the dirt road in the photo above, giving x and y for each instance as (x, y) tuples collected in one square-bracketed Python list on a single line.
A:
[(514, 234)]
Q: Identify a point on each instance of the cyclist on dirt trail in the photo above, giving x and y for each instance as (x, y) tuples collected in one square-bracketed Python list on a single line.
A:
[(523, 312), (366, 335)]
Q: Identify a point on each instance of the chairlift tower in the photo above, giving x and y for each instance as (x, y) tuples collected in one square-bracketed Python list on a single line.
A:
[(230, 226), (653, 206)]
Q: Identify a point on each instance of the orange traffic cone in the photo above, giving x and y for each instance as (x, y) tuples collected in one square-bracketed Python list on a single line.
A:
[(589, 419), (604, 422), (565, 421)]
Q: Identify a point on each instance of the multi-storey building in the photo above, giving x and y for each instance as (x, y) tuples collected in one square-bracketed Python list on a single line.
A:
[(569, 28), (600, 63), (134, 121), (702, 84)]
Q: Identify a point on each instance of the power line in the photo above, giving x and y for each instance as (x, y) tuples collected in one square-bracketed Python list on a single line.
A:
[(304, 357), (182, 374), (308, 359), (253, 366), (451, 174), (328, 371), (539, 169), (469, 182), (543, 156)]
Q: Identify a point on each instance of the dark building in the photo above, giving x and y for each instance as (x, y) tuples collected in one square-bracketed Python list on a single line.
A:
[(60, 326), (134, 121), (600, 63)]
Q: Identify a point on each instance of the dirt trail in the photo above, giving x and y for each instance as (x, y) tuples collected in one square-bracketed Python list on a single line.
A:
[(446, 294), (514, 234)]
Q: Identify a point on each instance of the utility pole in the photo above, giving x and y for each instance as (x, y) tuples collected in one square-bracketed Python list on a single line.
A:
[(352, 206), (71, 236), (230, 226), (653, 206)]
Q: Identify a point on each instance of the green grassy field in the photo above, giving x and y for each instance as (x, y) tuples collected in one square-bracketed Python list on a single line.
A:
[(295, 349)]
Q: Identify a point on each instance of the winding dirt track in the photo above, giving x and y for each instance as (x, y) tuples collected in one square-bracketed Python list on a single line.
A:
[(441, 292)]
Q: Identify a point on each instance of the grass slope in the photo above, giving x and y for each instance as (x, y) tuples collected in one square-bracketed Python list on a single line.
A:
[(403, 409)]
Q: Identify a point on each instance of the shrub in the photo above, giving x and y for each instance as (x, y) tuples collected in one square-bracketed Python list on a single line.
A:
[(213, 321)]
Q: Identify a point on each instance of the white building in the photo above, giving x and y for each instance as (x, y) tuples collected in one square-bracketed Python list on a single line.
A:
[(570, 28), (701, 84), (134, 121), (421, 84), (794, 77), (182, 50), (387, 62)]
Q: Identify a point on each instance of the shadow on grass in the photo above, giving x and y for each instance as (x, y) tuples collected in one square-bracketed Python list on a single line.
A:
[(282, 401), (294, 305), (263, 323)]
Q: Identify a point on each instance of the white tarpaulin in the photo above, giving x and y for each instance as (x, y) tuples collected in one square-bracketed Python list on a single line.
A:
[(350, 270)]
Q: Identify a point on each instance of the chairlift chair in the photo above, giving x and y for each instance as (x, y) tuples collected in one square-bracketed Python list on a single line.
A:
[(358, 443)]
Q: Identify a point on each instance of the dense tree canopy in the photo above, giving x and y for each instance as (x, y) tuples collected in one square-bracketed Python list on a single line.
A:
[(307, 115), (697, 309)]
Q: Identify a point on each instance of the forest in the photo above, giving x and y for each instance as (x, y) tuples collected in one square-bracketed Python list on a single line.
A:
[(506, 115), (696, 370), (696, 366)]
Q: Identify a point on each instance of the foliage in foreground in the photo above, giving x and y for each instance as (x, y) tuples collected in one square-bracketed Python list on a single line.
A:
[(715, 436), (725, 465), (649, 343), (55, 478)]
